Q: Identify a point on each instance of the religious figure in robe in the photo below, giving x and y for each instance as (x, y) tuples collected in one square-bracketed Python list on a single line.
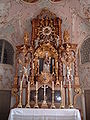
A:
[(46, 66)]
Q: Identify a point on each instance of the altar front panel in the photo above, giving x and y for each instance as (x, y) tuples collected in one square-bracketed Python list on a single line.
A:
[(44, 114)]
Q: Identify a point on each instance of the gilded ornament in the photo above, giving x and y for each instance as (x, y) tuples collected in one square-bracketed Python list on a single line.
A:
[(66, 36)]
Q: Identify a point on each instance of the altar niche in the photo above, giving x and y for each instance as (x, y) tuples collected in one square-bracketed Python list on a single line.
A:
[(47, 65)]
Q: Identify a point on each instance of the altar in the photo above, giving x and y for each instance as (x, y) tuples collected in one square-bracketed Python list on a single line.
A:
[(44, 114), (46, 73)]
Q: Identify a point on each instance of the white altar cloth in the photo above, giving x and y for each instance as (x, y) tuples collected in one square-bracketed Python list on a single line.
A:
[(44, 114)]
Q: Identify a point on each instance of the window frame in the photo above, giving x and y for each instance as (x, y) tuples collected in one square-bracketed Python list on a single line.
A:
[(4, 42)]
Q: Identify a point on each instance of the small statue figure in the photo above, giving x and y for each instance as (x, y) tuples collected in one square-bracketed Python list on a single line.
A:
[(46, 66), (26, 68)]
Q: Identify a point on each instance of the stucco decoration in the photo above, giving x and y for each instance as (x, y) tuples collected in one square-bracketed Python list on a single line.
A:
[(86, 11), (4, 10)]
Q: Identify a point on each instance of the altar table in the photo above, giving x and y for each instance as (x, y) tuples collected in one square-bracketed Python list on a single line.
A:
[(44, 114)]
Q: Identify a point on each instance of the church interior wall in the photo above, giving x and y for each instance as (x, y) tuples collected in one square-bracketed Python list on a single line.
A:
[(20, 15)]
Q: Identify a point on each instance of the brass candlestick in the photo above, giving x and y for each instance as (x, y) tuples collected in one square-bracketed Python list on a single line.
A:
[(70, 95), (20, 98), (28, 97), (62, 97), (53, 106)]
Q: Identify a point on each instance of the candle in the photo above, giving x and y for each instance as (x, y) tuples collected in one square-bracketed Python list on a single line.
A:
[(36, 85), (28, 91), (69, 86), (21, 85), (52, 85), (52, 61), (57, 65), (28, 86), (70, 95)]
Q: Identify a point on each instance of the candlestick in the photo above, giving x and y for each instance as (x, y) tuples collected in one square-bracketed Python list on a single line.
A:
[(62, 100), (20, 98), (70, 95), (52, 106), (28, 96)]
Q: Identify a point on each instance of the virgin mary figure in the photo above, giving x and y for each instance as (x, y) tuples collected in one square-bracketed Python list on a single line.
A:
[(46, 66)]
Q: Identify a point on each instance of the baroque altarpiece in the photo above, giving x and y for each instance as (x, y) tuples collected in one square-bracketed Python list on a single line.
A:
[(46, 66)]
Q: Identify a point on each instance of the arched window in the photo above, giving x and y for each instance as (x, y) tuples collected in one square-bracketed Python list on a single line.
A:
[(6, 52), (85, 51)]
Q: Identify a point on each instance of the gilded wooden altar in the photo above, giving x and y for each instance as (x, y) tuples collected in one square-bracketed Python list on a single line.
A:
[(49, 61)]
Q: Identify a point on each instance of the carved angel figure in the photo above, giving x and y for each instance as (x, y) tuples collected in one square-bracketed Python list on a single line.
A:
[(25, 69)]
